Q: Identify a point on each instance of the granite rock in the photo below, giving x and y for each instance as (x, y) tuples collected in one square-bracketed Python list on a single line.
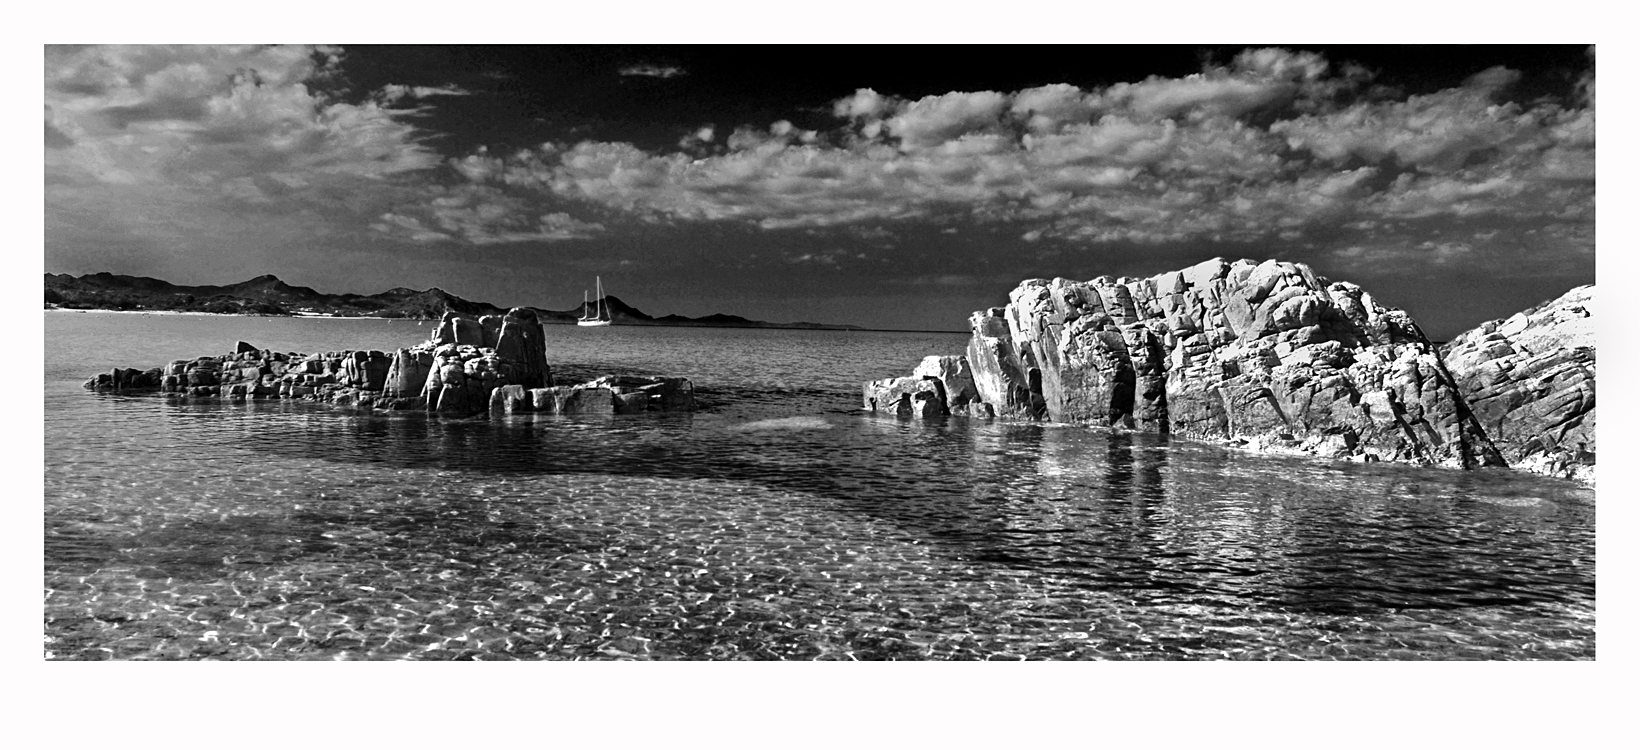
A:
[(520, 339), (1530, 381), (1252, 353), (910, 396), (616, 394), (956, 380), (452, 374)]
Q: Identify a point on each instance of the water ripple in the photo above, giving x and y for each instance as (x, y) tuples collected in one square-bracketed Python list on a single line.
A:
[(778, 524)]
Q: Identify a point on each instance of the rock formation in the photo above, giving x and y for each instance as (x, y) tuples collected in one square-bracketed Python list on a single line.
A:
[(1529, 379), (940, 385), (1266, 354), (494, 363)]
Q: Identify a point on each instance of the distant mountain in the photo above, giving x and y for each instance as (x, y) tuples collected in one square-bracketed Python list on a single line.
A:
[(263, 295), (267, 295), (624, 314)]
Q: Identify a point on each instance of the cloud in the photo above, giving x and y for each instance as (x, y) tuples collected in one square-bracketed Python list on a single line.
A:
[(1434, 132), (651, 70), (1492, 79), (191, 116), (1280, 64), (1278, 145), (480, 215), (393, 92), (864, 104), (935, 120), (1198, 94), (224, 155), (1045, 108)]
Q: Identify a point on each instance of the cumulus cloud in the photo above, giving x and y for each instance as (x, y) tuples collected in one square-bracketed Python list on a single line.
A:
[(1198, 95), (1277, 144), (935, 120), (651, 70), (1045, 108), (1281, 64), (393, 92), (194, 115), (200, 149), (864, 104), (480, 215)]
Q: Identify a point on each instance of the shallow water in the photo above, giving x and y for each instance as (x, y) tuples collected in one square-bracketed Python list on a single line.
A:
[(778, 523)]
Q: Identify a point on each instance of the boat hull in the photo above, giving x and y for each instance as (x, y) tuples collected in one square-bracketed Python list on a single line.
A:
[(592, 323)]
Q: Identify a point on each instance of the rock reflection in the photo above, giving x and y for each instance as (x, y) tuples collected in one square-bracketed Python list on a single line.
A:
[(828, 536), (1107, 508), (778, 523)]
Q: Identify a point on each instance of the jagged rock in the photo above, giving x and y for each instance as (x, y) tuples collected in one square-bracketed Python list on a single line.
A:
[(127, 379), (521, 340), (450, 374), (468, 331), (407, 374), (974, 409), (367, 370), (567, 399), (509, 398), (1254, 352), (459, 398), (639, 394), (913, 396), (490, 329), (956, 380), (455, 328), (1530, 381), (615, 394), (993, 362), (462, 377)]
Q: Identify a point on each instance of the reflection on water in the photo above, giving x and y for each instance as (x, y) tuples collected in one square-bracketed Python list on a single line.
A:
[(779, 523), (760, 537)]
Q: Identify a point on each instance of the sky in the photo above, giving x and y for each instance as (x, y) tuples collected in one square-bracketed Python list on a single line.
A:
[(885, 186)]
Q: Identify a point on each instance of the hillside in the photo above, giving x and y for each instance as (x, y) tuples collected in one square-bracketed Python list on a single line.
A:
[(268, 295)]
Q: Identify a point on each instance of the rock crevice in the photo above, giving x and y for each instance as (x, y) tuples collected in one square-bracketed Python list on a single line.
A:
[(1530, 381), (1266, 354), (494, 364)]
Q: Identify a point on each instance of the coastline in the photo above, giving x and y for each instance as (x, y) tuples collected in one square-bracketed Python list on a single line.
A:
[(774, 327), (223, 315)]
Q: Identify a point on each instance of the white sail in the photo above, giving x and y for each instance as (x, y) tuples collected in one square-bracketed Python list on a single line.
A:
[(600, 316)]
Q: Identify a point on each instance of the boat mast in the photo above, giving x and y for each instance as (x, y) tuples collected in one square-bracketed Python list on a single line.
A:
[(600, 281)]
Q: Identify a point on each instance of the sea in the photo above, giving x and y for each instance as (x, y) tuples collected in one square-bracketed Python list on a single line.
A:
[(779, 522)]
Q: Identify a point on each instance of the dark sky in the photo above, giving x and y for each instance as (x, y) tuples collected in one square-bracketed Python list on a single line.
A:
[(885, 186)]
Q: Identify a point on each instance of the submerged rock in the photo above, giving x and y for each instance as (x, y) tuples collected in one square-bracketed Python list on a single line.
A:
[(1266, 354), (1530, 381), (615, 394)]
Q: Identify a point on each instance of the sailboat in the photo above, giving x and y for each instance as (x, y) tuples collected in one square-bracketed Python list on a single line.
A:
[(601, 316)]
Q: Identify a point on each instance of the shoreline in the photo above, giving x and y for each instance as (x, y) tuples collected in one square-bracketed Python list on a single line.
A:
[(225, 315), (425, 320)]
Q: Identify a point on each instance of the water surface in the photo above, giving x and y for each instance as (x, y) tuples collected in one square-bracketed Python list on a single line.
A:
[(777, 523)]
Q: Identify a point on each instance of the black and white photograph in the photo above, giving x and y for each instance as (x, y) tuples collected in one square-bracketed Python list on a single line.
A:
[(858, 352)]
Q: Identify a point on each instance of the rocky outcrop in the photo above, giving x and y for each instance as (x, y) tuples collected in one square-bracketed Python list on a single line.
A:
[(1529, 379), (494, 364), (916, 395), (939, 385), (519, 339), (1263, 354)]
